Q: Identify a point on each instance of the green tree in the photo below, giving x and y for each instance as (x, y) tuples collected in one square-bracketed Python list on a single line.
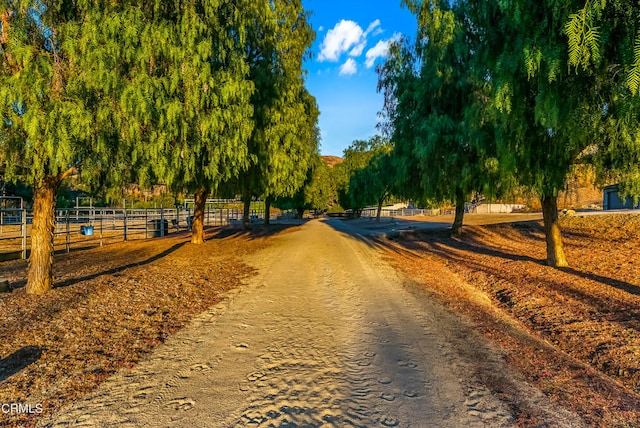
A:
[(372, 184), (316, 192), (356, 186), (285, 134), (443, 149), (56, 109), (550, 116), (608, 32), (190, 107)]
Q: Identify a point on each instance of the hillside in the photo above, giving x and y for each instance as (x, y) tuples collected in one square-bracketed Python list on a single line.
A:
[(331, 160)]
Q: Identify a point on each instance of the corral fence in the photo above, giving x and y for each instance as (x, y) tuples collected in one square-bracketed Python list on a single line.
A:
[(469, 208), (407, 212), (91, 227)]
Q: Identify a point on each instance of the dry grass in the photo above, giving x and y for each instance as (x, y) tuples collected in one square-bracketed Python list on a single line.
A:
[(574, 332), (111, 307)]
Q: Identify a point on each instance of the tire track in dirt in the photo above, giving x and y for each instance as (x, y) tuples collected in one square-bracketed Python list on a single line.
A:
[(325, 335)]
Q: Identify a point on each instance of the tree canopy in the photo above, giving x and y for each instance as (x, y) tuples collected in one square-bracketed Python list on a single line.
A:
[(519, 93), (550, 114), (88, 88), (58, 108), (364, 177), (189, 107), (285, 135), (443, 148), (315, 194)]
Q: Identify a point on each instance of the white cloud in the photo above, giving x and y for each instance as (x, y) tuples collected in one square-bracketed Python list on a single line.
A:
[(321, 28), (380, 50), (375, 24), (339, 40), (357, 50), (346, 36), (349, 68)]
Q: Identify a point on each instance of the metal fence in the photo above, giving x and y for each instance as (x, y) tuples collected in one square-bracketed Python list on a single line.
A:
[(91, 227), (372, 212)]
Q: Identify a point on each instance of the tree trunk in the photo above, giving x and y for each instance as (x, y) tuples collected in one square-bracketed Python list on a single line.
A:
[(197, 227), (553, 236), (40, 277), (267, 211), (456, 228), (246, 212), (380, 201), (300, 213)]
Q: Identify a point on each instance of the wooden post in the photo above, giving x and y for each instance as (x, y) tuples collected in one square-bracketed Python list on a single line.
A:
[(102, 215), (146, 223)]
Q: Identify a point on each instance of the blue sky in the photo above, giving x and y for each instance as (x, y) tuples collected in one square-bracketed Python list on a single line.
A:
[(351, 37)]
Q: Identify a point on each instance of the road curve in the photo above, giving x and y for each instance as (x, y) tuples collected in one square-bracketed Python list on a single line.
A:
[(326, 334)]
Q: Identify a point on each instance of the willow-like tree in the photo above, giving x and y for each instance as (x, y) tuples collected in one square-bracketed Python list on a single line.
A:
[(190, 105), (372, 185), (355, 185), (592, 32), (285, 134), (315, 193), (443, 148), (57, 112), (550, 116)]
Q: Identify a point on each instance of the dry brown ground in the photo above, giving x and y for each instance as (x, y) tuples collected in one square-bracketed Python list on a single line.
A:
[(112, 305), (574, 332)]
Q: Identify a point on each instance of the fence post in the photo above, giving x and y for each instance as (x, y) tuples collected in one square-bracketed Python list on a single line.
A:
[(24, 234), (146, 223), (102, 215), (178, 220), (125, 224), (161, 221), (68, 239)]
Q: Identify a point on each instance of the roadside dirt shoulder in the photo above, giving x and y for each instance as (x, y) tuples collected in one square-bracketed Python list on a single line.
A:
[(573, 332), (111, 307)]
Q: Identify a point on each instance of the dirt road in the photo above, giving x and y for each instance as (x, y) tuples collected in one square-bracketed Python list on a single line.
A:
[(326, 334)]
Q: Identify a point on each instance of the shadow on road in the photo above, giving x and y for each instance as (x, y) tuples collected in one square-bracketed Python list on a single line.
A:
[(255, 230), (460, 251), (369, 231)]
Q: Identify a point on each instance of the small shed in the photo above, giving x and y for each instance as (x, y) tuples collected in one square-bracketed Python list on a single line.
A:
[(612, 200)]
